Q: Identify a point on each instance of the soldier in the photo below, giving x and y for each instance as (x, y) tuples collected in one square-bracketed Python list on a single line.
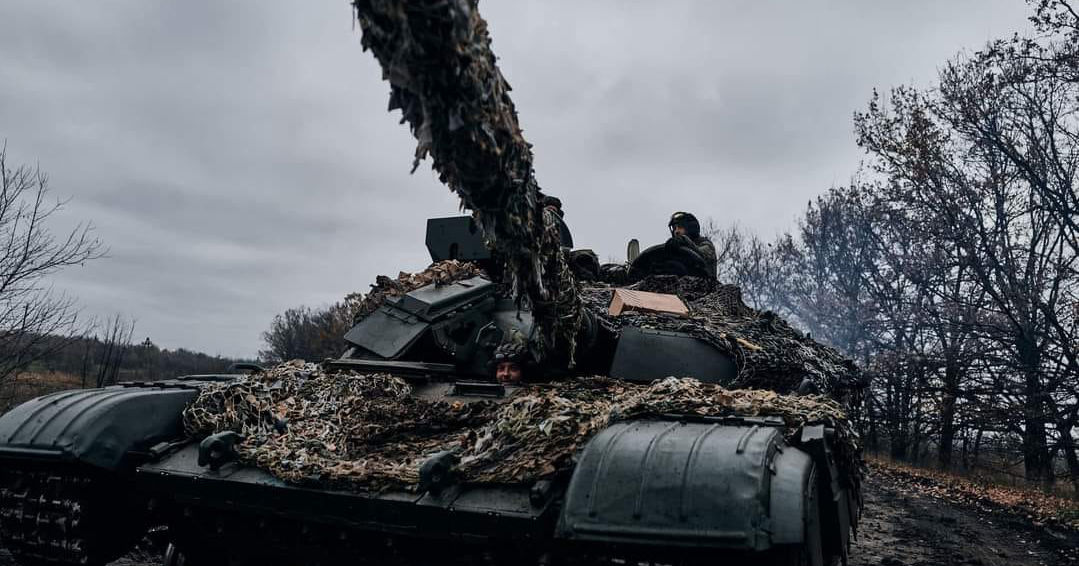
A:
[(509, 363), (554, 204), (686, 232)]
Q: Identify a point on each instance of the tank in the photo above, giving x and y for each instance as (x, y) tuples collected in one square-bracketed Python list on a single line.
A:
[(85, 474)]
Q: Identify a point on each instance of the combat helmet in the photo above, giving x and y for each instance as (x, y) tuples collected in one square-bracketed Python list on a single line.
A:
[(511, 351), (687, 221)]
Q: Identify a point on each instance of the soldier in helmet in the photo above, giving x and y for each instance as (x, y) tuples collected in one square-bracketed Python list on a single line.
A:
[(509, 362), (686, 231), (554, 204)]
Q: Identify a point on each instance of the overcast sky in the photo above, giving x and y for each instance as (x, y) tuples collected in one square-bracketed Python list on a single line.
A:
[(237, 158)]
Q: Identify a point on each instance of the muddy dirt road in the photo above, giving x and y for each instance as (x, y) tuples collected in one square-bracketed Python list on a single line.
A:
[(901, 527)]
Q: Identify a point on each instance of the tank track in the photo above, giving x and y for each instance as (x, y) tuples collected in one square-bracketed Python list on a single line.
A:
[(67, 516), (42, 519)]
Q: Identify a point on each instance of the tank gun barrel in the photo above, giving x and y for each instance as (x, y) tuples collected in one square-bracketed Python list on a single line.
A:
[(437, 58)]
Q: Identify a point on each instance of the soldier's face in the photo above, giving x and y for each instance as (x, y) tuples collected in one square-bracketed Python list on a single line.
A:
[(679, 230), (508, 373)]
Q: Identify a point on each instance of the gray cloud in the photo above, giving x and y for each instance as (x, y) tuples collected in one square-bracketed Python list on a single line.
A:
[(238, 160)]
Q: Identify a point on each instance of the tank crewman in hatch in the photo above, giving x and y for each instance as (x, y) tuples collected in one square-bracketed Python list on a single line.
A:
[(509, 363), (686, 231)]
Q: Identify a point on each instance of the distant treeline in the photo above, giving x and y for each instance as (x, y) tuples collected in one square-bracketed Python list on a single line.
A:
[(100, 362)]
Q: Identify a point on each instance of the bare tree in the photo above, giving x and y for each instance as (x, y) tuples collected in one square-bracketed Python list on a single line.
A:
[(949, 268), (973, 162), (31, 311), (115, 339), (746, 260), (306, 333)]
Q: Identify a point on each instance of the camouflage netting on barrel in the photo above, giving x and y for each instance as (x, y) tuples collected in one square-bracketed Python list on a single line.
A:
[(769, 352), (308, 425), (444, 78)]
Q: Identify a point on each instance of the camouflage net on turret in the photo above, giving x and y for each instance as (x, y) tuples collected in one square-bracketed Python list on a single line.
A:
[(440, 273), (307, 425), (769, 352)]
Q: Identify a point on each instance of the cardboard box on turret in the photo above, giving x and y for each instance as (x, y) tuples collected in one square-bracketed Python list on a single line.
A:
[(628, 300)]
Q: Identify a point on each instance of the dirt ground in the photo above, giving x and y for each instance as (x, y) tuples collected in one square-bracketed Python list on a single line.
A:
[(904, 528), (901, 527)]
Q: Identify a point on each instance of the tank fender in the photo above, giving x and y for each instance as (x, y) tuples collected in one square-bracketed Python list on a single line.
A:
[(683, 484), (840, 501), (99, 427), (793, 510)]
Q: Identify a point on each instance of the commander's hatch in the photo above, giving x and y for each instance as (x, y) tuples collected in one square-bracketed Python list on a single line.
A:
[(400, 322)]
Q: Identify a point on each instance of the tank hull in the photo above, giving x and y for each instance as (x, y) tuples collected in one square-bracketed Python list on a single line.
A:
[(670, 485)]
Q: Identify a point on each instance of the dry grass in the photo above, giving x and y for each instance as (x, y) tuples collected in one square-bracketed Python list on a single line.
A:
[(34, 384), (996, 469), (1032, 502)]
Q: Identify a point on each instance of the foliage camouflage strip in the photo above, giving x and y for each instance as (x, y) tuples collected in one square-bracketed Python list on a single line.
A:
[(437, 57), (341, 429)]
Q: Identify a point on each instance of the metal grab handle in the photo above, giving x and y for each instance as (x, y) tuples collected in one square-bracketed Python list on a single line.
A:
[(218, 449)]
